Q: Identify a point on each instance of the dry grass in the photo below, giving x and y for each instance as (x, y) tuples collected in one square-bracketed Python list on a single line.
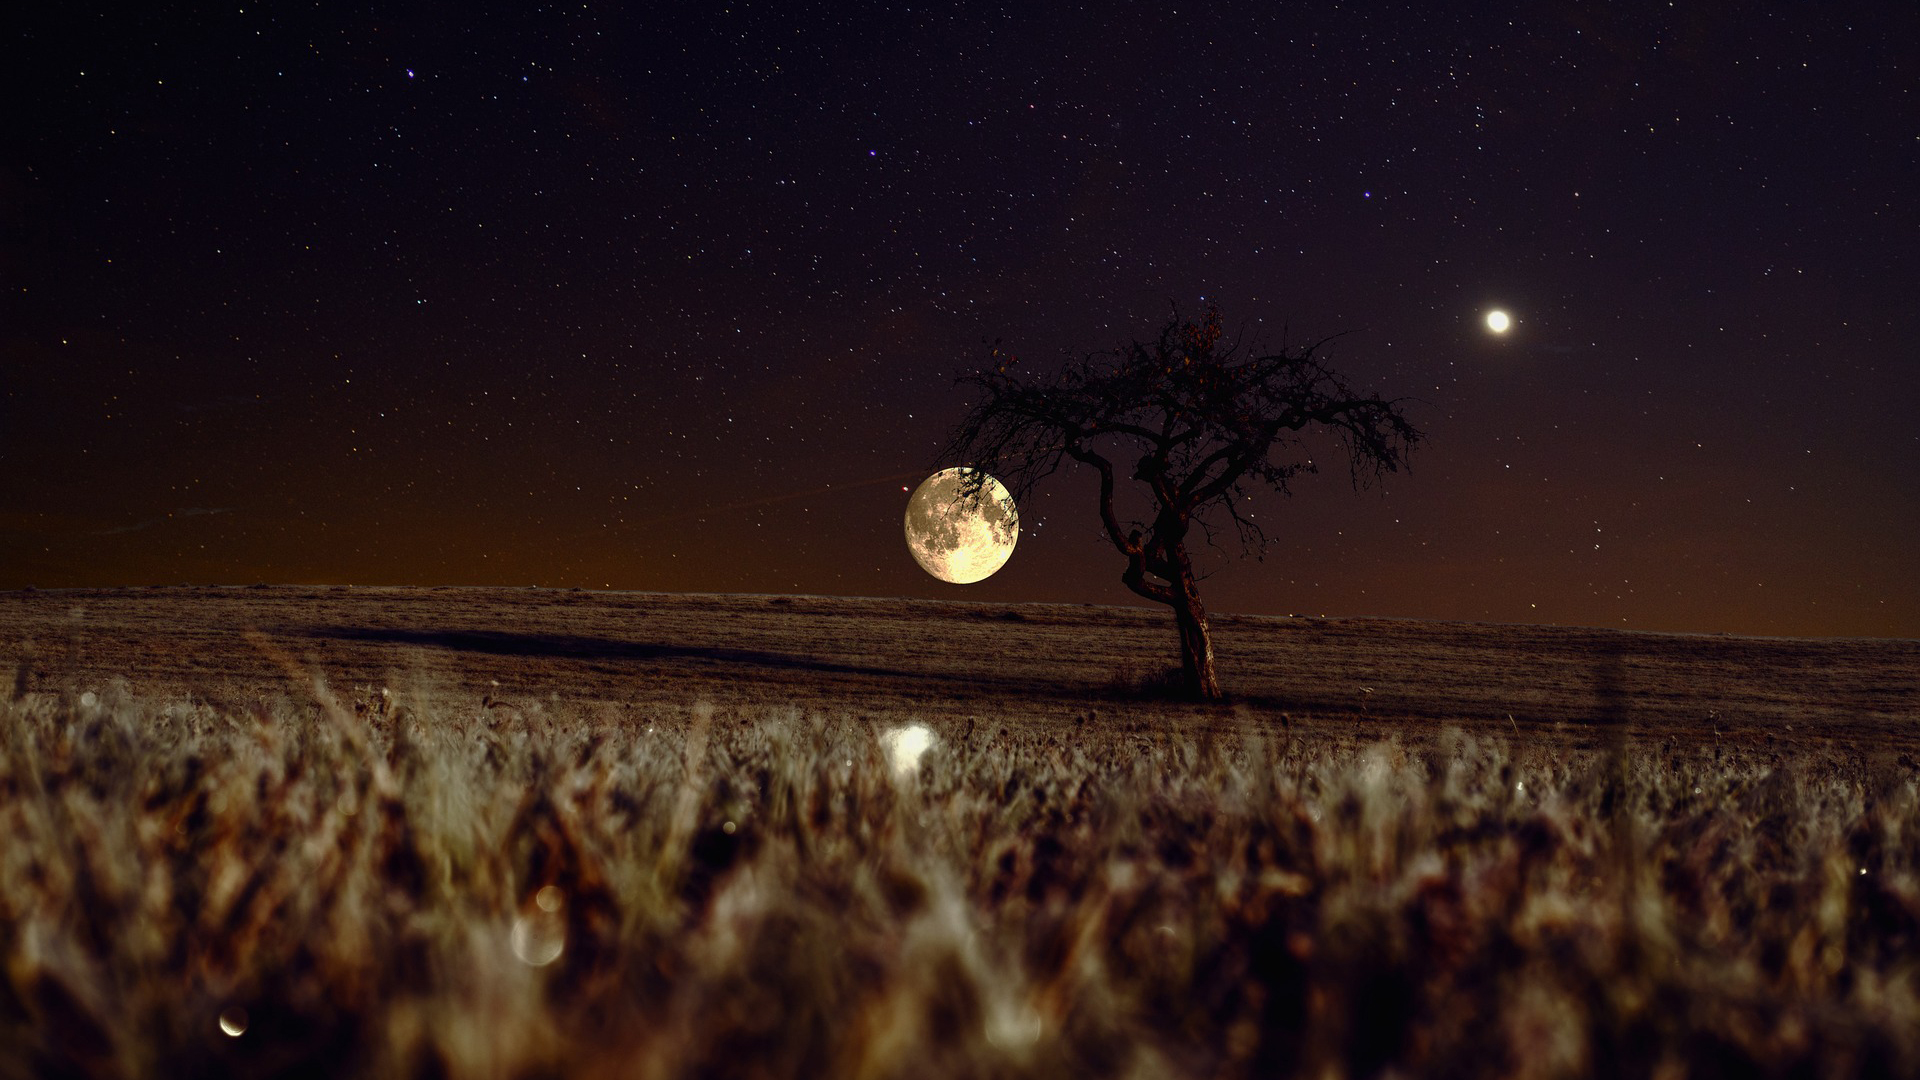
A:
[(504, 849), (367, 885)]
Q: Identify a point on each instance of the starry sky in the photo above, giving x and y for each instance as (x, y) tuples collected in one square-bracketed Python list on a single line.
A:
[(673, 296)]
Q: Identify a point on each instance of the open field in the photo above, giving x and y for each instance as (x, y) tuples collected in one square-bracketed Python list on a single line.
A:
[(321, 832), (945, 662)]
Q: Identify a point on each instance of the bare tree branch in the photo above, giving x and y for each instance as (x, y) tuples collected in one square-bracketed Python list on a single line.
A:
[(1211, 423)]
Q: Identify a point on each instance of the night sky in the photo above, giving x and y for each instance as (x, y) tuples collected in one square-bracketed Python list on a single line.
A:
[(673, 297)]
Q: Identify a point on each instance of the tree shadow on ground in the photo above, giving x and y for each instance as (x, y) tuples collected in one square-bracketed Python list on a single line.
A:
[(581, 647)]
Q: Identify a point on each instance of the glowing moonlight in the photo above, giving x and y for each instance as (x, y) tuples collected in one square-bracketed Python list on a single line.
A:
[(956, 538)]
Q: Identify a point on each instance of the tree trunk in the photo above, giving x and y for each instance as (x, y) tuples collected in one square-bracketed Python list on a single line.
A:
[(1196, 638), (1196, 655)]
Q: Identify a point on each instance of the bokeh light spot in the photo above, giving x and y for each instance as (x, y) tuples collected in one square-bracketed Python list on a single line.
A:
[(540, 933), (905, 746), (1014, 1026)]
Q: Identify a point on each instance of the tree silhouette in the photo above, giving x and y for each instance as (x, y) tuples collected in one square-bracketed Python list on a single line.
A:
[(1199, 422)]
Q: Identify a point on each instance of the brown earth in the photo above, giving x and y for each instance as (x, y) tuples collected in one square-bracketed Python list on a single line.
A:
[(1039, 664)]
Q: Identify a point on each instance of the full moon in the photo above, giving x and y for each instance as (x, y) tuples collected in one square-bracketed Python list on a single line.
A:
[(1498, 322), (956, 538)]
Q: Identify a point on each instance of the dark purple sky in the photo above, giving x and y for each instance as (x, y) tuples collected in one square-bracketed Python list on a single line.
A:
[(673, 297)]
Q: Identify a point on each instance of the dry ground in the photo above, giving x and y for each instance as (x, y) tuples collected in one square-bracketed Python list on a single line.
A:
[(277, 832), (1346, 678)]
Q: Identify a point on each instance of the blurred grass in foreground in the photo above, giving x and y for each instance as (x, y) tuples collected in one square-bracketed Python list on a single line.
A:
[(380, 887)]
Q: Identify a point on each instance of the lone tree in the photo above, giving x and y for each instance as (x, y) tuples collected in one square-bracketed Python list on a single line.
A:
[(1199, 422)]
